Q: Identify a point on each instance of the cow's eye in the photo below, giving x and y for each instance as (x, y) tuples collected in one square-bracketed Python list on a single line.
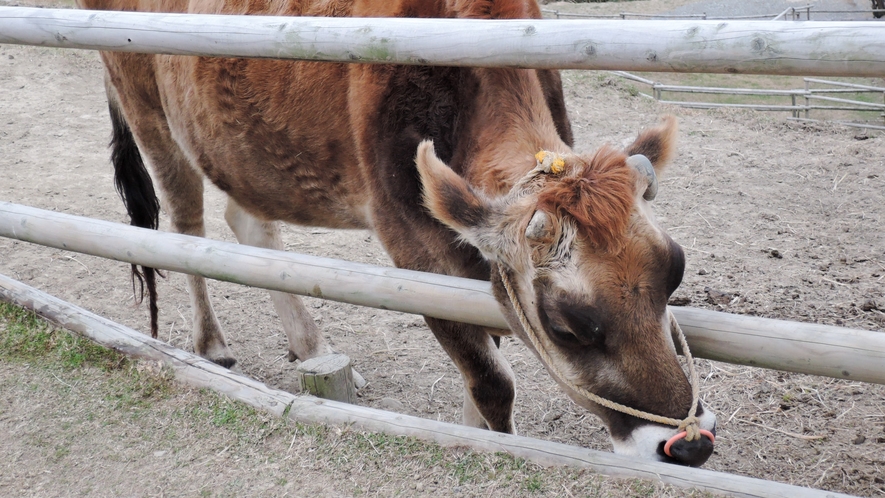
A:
[(559, 333), (589, 334), (587, 328), (571, 325), (562, 333), (593, 332)]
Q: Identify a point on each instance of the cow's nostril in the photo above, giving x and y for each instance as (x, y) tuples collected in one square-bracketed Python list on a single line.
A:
[(691, 453)]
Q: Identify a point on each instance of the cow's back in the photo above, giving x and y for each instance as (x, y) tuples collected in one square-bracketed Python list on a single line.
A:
[(273, 134), (305, 142)]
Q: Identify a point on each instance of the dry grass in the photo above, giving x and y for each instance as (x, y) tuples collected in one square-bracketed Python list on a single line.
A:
[(103, 425)]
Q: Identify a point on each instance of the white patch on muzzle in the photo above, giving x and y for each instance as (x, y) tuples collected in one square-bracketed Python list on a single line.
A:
[(644, 440)]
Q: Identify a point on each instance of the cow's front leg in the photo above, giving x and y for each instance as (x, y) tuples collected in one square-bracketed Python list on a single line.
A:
[(305, 339), (489, 389)]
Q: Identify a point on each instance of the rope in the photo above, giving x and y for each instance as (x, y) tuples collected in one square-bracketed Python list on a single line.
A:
[(689, 424)]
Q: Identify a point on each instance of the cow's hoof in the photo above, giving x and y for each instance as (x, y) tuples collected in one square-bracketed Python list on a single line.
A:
[(292, 357), (226, 362), (359, 381)]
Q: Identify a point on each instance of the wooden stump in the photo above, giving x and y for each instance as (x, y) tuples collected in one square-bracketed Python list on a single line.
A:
[(328, 377)]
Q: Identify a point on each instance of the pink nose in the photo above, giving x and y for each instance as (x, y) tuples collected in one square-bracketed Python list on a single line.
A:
[(691, 453)]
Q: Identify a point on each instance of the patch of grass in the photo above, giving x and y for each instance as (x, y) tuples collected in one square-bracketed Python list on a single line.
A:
[(142, 386), (61, 451), (225, 416), (24, 336), (455, 467), (534, 483), (241, 424), (27, 338), (467, 467), (462, 466), (632, 91), (642, 488)]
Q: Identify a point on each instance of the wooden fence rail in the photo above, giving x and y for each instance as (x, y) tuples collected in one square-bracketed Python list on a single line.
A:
[(759, 47), (199, 372), (797, 347)]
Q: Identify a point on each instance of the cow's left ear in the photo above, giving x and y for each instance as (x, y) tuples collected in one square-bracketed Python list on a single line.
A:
[(658, 144), (452, 201)]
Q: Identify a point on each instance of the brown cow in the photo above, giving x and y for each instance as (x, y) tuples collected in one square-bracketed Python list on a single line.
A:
[(497, 194)]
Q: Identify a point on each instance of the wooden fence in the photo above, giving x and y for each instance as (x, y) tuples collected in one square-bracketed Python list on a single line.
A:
[(757, 47), (791, 346), (202, 373)]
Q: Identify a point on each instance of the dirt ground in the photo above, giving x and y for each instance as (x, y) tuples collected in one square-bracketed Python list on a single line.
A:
[(160, 438), (785, 219)]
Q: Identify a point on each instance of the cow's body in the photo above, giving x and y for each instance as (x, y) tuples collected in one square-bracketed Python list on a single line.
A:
[(335, 145)]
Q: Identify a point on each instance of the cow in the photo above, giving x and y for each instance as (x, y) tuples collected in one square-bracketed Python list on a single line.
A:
[(461, 171)]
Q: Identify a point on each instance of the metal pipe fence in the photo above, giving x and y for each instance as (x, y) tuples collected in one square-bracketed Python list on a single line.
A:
[(808, 93), (789, 14)]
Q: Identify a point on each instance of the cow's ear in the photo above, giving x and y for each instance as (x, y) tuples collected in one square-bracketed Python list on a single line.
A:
[(658, 144), (447, 195), (452, 201)]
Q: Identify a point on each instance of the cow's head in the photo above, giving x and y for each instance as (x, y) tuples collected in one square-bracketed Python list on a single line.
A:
[(592, 271)]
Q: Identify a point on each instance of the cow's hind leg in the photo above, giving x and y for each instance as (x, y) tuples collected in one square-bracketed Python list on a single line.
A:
[(183, 199), (305, 339), (181, 187)]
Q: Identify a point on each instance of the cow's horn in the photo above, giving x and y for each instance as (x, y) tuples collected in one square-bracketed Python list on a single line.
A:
[(643, 165), (539, 226)]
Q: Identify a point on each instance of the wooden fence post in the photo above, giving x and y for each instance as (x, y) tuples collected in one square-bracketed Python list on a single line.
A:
[(329, 377)]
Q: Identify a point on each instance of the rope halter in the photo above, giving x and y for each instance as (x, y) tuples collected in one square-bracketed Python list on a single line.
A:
[(689, 427)]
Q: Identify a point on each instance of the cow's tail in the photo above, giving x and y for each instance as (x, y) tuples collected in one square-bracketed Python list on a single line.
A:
[(137, 191)]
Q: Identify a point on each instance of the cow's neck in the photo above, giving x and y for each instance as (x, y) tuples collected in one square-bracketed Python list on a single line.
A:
[(512, 123)]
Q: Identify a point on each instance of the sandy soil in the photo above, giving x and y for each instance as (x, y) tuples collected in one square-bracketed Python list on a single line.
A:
[(786, 219)]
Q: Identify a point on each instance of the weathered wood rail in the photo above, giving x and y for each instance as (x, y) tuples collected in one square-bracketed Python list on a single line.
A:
[(199, 372), (791, 346), (757, 47)]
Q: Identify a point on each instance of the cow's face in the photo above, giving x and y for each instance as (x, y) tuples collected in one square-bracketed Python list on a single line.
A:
[(590, 271)]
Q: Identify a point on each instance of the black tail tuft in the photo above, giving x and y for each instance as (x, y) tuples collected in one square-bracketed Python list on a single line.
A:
[(136, 188)]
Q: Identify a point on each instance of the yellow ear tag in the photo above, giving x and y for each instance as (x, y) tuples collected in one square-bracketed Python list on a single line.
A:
[(557, 166), (550, 162)]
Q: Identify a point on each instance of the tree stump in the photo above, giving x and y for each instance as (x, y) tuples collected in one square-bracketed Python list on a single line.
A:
[(328, 377)]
